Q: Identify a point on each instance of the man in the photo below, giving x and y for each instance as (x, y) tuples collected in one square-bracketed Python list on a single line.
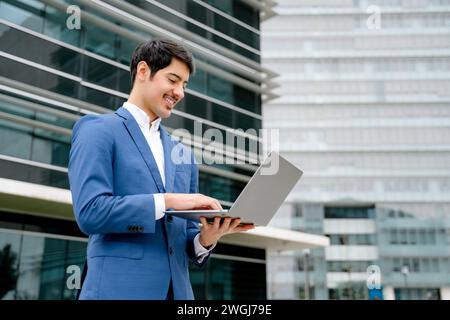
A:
[(123, 177)]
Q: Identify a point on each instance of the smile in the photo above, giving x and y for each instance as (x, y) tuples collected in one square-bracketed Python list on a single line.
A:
[(170, 100)]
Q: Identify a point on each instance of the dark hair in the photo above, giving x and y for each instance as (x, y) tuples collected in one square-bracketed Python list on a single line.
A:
[(158, 54)]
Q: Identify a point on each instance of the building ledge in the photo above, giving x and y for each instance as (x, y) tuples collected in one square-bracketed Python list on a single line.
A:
[(30, 198), (276, 239)]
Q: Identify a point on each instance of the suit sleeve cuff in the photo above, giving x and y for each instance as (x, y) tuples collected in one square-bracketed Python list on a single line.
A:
[(160, 205), (200, 251)]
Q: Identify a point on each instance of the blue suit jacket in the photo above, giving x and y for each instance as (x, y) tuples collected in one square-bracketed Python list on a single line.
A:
[(113, 174)]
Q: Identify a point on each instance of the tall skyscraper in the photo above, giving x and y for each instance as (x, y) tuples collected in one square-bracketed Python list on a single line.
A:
[(364, 110)]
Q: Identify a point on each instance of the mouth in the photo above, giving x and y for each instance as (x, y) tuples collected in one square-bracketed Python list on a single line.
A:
[(170, 101)]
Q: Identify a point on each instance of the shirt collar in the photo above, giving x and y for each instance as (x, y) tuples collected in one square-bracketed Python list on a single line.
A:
[(142, 118)]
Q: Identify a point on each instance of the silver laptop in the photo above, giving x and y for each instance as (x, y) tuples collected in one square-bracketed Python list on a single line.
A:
[(261, 198)]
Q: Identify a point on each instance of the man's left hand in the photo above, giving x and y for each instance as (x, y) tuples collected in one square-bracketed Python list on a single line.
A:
[(211, 233)]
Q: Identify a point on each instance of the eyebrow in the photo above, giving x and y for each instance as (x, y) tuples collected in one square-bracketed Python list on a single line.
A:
[(177, 76)]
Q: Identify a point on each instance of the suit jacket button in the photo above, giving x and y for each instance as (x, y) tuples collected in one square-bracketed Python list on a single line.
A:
[(170, 250), (130, 228), (141, 228), (169, 218)]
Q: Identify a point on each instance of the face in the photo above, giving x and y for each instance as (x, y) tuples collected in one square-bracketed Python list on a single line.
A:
[(160, 94)]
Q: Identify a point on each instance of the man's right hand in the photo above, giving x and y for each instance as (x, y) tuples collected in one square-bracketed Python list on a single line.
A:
[(190, 201)]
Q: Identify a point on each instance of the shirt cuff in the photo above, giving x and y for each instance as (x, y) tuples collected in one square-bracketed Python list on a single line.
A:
[(200, 251), (160, 205)]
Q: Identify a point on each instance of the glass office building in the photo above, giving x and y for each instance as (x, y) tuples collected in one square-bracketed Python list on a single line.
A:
[(52, 72), (365, 111)]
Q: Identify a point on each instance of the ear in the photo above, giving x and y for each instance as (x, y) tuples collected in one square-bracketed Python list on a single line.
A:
[(142, 71)]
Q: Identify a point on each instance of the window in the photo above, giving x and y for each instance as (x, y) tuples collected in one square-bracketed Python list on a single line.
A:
[(124, 84), (402, 237), (396, 265), (21, 148), (99, 98), (349, 212), (39, 78), (197, 82), (125, 49), (222, 115), (33, 48), (52, 152), (393, 236), (298, 210), (247, 99), (412, 237), (422, 237), (349, 291), (101, 73), (227, 278), (99, 41), (415, 265), (348, 266), (434, 265), (197, 107), (431, 236), (220, 187), (26, 13), (417, 294), (301, 263), (425, 265), (220, 89)]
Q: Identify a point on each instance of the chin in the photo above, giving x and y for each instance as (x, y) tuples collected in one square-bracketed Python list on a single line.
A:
[(165, 114)]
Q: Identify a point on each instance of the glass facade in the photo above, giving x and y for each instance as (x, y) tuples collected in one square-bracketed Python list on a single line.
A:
[(228, 274), (37, 263), (51, 75), (35, 257), (202, 21), (364, 111)]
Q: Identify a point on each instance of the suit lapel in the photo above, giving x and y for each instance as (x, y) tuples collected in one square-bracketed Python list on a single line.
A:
[(169, 165), (142, 145)]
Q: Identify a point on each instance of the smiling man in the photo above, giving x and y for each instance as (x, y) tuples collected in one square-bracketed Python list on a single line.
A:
[(122, 178)]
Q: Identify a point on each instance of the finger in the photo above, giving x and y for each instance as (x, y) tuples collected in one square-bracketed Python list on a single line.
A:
[(204, 222), (216, 224), (225, 225), (201, 208), (206, 202), (244, 228), (235, 223), (214, 204)]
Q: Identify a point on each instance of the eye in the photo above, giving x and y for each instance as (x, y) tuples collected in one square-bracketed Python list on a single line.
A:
[(171, 80)]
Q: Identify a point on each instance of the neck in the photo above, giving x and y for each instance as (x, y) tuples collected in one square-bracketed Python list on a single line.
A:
[(138, 101)]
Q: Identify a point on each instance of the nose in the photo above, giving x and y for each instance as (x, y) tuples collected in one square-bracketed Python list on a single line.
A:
[(178, 92)]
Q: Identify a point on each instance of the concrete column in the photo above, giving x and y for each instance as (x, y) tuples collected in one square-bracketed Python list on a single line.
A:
[(445, 293), (388, 293)]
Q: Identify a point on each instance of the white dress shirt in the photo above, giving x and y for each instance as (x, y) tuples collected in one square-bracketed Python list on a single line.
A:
[(152, 136)]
